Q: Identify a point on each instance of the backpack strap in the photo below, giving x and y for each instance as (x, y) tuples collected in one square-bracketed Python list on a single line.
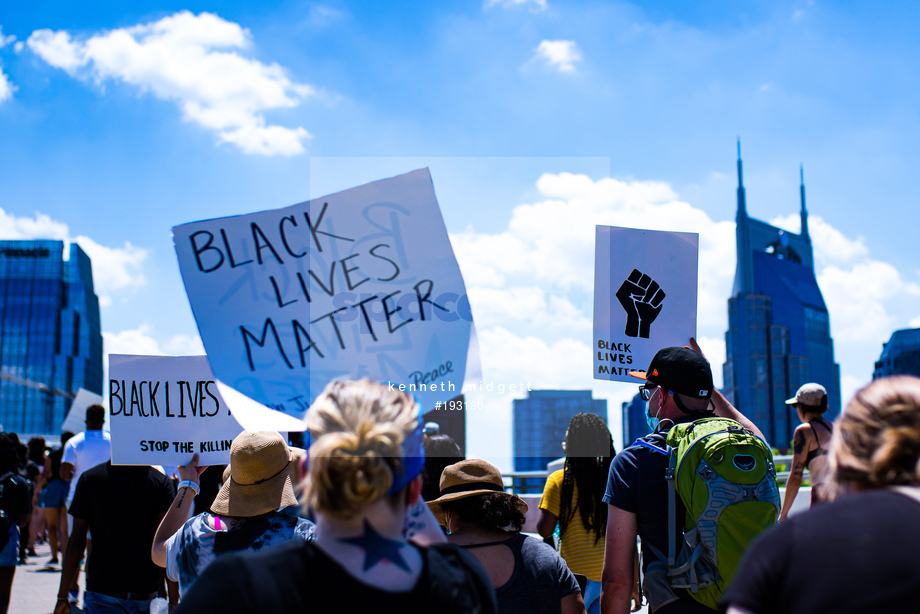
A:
[(672, 506)]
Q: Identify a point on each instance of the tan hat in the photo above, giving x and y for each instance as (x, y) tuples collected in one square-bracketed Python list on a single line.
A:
[(261, 476), (467, 479), (808, 394)]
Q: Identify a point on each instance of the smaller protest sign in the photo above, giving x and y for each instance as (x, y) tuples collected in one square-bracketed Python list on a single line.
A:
[(76, 417), (164, 409), (645, 296)]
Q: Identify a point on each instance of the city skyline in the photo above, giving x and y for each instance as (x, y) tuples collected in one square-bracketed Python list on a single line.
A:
[(538, 120)]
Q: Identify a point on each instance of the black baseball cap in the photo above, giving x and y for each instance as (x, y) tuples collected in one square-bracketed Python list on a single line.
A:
[(680, 370)]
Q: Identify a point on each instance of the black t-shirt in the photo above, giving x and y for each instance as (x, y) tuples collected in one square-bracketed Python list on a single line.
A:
[(299, 577), (123, 505), (858, 554)]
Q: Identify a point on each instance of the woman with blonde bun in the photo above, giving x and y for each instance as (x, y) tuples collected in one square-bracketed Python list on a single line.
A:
[(858, 553), (362, 475)]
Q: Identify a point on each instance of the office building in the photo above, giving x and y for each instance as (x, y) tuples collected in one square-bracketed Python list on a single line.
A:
[(540, 422), (778, 326), (901, 355), (50, 334)]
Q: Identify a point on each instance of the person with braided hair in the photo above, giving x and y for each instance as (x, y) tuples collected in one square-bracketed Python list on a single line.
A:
[(857, 553), (573, 498)]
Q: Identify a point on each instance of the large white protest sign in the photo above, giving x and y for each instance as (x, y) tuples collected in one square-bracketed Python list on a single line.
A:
[(362, 283), (645, 294), (164, 409), (76, 417)]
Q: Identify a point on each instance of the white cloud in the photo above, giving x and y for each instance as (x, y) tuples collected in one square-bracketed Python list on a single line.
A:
[(830, 245), (857, 298), (559, 54), (6, 86), (5, 40), (140, 341), (914, 323), (194, 61), (136, 341), (848, 387), (551, 243), (114, 268), (537, 5)]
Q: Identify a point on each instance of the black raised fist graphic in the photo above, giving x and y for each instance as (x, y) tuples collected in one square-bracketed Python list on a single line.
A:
[(641, 298)]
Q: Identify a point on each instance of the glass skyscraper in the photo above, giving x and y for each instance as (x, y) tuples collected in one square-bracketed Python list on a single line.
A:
[(778, 327), (540, 422), (50, 334), (901, 355)]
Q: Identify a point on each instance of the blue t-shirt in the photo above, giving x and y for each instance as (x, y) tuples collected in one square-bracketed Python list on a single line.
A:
[(198, 542), (636, 484)]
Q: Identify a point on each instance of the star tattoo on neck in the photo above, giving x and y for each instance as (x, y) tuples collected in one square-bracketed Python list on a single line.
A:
[(378, 548)]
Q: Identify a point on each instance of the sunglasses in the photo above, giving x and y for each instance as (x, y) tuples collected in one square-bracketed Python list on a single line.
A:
[(646, 390)]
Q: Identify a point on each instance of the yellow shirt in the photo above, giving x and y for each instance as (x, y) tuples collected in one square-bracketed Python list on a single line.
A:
[(578, 549)]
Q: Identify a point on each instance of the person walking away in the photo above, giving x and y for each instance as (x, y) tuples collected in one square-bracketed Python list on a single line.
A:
[(528, 575), (122, 505), (15, 509), (33, 471), (809, 445), (53, 497), (678, 390), (857, 553), (573, 499)]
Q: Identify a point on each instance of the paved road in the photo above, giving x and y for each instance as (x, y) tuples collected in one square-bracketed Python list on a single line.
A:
[(35, 585)]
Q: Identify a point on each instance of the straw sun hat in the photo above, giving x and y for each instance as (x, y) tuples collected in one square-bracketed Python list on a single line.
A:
[(467, 478), (260, 477)]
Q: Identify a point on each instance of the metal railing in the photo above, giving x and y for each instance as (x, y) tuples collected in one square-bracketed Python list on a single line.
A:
[(532, 482)]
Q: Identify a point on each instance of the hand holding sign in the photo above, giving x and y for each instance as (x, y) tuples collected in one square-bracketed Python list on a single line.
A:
[(627, 299), (641, 297)]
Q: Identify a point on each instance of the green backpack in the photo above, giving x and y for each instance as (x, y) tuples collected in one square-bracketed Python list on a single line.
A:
[(724, 475)]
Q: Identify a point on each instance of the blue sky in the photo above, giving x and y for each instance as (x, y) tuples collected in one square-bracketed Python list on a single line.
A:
[(538, 120)]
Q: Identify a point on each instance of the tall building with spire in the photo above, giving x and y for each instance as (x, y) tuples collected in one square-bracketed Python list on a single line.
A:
[(778, 326)]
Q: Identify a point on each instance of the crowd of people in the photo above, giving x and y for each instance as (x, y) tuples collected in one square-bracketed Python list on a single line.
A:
[(382, 512)]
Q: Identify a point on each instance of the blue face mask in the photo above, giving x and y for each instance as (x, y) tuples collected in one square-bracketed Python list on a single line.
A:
[(653, 422)]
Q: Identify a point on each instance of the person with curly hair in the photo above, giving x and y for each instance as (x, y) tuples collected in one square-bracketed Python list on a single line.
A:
[(362, 476), (528, 575), (867, 534), (573, 498)]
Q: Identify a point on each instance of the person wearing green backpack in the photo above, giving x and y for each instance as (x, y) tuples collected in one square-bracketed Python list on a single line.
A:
[(647, 486)]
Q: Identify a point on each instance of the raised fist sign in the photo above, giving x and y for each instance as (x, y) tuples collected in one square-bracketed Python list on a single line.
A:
[(641, 298)]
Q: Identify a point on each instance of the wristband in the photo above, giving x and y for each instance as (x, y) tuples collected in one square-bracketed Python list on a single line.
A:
[(190, 484)]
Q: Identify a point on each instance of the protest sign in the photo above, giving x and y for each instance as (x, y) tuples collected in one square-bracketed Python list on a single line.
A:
[(164, 409), (362, 283), (76, 417), (645, 294)]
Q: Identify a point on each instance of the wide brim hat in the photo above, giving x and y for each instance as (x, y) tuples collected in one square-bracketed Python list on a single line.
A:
[(260, 477), (809, 394), (467, 478)]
